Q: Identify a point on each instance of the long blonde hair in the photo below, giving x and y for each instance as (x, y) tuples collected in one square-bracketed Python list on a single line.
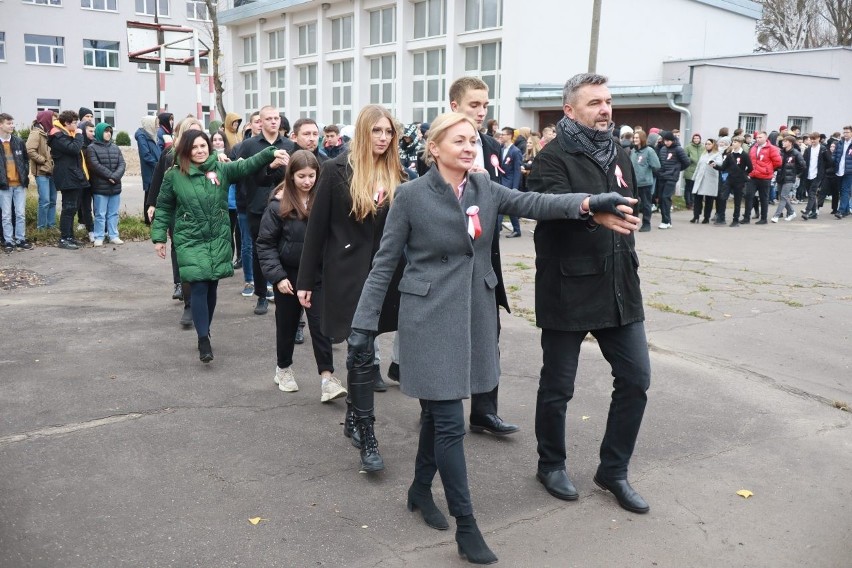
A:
[(370, 173)]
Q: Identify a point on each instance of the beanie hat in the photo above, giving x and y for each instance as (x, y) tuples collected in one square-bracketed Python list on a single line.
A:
[(84, 111), (724, 140), (625, 130), (424, 128), (654, 131), (782, 128), (667, 135)]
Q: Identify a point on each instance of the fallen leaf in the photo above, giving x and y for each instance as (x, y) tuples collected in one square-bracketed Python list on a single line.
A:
[(744, 493), (363, 526), (586, 417), (256, 520)]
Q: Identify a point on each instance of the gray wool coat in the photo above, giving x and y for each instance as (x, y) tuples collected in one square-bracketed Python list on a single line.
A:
[(447, 313)]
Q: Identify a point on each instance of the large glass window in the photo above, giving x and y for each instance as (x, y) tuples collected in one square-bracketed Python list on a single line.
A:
[(341, 92), (250, 91), (2, 46), (44, 2), (104, 112), (100, 53), (383, 26), (803, 122), (483, 61), (197, 10), (277, 87), (48, 104), (482, 14), (429, 84), (430, 18), (308, 91), (308, 39), (250, 49), (277, 44), (152, 7), (100, 5), (341, 33), (44, 50), (383, 82)]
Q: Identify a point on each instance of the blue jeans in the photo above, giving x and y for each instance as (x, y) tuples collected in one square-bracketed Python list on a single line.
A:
[(246, 247), (46, 202), (845, 191), (106, 210), (14, 196)]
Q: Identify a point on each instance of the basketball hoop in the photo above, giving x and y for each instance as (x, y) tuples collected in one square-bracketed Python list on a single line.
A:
[(146, 41)]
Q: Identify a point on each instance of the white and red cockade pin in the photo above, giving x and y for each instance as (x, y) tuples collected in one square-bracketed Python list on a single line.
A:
[(379, 195), (495, 162), (214, 179), (474, 228), (619, 177)]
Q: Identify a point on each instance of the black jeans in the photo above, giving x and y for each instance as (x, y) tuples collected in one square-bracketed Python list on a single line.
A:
[(626, 350), (483, 403), (645, 192), (812, 190), (705, 203), (830, 187), (70, 202), (236, 246), (84, 209), (203, 305), (288, 313), (441, 449), (688, 198), (259, 278), (761, 186), (669, 187)]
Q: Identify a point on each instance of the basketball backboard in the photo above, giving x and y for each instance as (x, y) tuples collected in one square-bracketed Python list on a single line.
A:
[(145, 41)]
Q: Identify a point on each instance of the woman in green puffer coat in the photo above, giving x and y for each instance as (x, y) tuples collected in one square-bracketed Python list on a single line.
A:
[(194, 197)]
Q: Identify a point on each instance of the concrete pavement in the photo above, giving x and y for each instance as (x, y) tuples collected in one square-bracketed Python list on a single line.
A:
[(119, 448)]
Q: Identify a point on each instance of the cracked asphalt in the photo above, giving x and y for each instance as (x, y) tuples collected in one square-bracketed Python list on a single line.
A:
[(119, 448)]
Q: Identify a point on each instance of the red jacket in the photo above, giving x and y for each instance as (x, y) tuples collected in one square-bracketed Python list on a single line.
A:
[(764, 161)]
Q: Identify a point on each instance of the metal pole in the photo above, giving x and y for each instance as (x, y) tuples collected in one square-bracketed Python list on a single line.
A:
[(161, 98), (199, 114), (596, 30), (212, 89)]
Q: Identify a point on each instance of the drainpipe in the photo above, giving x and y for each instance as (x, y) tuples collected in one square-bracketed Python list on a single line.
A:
[(687, 131)]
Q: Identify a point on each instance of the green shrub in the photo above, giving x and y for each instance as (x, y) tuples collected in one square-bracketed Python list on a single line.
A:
[(122, 138), (23, 133)]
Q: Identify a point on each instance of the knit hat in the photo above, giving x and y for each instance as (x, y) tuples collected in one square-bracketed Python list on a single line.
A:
[(667, 135), (654, 131), (624, 131), (424, 128), (782, 128), (724, 141), (84, 111)]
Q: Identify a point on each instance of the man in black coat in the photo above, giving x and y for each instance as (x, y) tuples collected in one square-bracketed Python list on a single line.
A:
[(818, 164), (258, 187), (66, 147), (587, 282)]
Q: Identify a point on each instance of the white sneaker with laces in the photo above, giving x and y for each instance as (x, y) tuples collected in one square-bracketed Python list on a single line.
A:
[(91, 237), (332, 389), (99, 242), (285, 379), (790, 217), (774, 219), (116, 241), (665, 226)]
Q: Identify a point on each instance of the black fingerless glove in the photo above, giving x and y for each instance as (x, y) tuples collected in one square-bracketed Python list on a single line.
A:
[(607, 203), (362, 349)]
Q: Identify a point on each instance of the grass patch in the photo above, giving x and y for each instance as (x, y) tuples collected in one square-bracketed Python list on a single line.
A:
[(703, 288), (512, 288), (793, 303), (522, 266), (671, 310)]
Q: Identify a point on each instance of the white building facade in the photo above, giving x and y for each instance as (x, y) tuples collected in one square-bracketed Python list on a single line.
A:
[(326, 60), (67, 54)]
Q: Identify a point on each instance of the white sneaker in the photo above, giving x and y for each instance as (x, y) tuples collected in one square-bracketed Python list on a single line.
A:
[(774, 219), (285, 379), (99, 242), (665, 226), (332, 389), (790, 217), (116, 241), (91, 237)]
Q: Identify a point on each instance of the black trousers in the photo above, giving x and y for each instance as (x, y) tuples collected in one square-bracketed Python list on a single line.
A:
[(702, 202), (288, 313), (70, 202), (484, 403), (645, 203), (830, 187), (688, 198), (84, 209), (811, 188), (626, 350), (441, 449), (259, 278), (236, 245), (761, 186)]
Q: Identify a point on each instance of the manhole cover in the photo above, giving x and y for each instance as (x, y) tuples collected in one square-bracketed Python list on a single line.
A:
[(11, 278)]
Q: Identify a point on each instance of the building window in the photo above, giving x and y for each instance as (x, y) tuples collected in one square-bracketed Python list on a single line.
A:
[(430, 18), (104, 112), (44, 50), (751, 122), (151, 67), (203, 64), (277, 86), (197, 10), (152, 7), (341, 33), (429, 84), (482, 14), (383, 26), (100, 54), (100, 5), (341, 92), (2, 46), (308, 91), (44, 2), (308, 39), (249, 49), (277, 44), (383, 82), (483, 61), (250, 90), (48, 104), (803, 122), (152, 109)]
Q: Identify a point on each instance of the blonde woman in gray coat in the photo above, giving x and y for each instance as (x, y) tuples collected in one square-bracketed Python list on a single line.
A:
[(448, 317)]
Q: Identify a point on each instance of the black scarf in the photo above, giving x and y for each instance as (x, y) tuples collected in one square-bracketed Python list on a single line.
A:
[(599, 145)]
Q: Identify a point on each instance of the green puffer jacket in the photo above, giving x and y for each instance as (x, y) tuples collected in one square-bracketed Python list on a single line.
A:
[(198, 209), (694, 151)]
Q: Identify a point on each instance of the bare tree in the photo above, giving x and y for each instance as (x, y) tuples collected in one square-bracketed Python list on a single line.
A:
[(838, 16), (789, 24), (216, 55)]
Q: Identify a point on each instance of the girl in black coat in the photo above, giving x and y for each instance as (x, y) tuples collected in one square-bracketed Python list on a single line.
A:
[(279, 249)]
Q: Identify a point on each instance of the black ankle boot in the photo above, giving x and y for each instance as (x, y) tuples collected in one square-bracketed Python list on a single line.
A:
[(379, 384), (472, 546), (371, 460), (420, 497), (205, 350), (350, 430)]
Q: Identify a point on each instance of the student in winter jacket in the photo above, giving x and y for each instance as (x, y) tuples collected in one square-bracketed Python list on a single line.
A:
[(194, 200), (106, 167), (706, 182), (69, 172), (279, 247), (694, 150), (818, 165), (41, 166), (149, 152), (231, 129), (737, 164), (14, 179), (645, 162), (842, 156), (792, 165), (765, 159), (673, 160), (165, 130)]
